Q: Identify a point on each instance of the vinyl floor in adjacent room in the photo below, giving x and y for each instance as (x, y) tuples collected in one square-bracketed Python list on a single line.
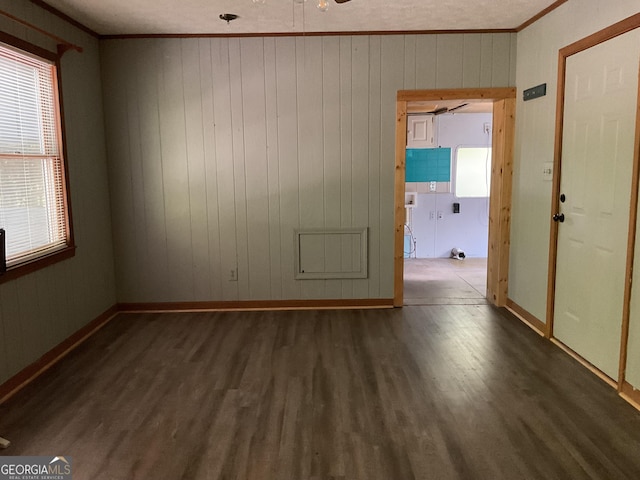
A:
[(445, 281), (424, 392)]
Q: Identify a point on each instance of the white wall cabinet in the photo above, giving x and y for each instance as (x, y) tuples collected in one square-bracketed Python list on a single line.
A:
[(421, 131)]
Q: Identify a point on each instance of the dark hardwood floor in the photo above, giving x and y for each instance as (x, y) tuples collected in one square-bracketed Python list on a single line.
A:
[(433, 392)]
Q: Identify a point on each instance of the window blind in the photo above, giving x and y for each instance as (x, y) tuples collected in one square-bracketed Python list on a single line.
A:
[(32, 194)]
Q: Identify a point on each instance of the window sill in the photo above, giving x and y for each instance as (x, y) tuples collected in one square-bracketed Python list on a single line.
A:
[(23, 269)]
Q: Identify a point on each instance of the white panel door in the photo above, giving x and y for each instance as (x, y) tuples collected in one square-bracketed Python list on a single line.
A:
[(597, 157)]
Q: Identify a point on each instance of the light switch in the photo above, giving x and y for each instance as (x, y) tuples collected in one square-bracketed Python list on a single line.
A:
[(547, 171)]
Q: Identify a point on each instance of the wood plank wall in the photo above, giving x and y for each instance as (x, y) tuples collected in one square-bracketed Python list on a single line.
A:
[(40, 310), (538, 47), (538, 61), (220, 147)]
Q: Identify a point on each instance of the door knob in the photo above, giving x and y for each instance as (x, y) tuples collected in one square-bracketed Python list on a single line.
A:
[(558, 217)]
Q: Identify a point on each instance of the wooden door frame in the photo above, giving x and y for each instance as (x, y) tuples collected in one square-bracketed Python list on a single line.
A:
[(617, 29), (501, 177)]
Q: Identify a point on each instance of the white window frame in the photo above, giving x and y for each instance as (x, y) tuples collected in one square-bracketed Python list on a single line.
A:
[(50, 162)]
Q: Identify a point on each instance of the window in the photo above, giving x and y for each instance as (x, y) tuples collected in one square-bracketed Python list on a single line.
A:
[(473, 171), (33, 196)]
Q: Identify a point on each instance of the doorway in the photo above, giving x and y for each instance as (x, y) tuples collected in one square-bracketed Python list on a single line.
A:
[(448, 173), (503, 119)]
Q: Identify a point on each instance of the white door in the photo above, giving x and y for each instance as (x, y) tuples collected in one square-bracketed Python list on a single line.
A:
[(597, 158)]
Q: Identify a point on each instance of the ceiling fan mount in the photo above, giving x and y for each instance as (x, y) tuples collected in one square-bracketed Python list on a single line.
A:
[(441, 110)]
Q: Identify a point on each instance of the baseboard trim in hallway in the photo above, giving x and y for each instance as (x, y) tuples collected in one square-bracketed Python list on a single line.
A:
[(257, 305), (527, 318)]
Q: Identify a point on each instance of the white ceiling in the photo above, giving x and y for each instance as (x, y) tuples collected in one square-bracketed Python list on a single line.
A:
[(120, 17)]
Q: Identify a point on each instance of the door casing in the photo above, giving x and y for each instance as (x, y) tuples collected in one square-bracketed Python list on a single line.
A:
[(501, 177), (608, 33)]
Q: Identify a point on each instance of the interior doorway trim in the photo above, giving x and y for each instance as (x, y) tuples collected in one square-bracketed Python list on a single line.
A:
[(619, 28), (501, 176)]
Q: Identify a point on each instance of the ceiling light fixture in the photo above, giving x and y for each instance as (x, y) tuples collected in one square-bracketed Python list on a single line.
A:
[(227, 17), (323, 6)]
